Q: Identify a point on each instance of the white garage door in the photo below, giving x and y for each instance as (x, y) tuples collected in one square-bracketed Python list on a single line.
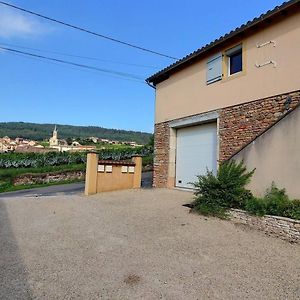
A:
[(196, 151)]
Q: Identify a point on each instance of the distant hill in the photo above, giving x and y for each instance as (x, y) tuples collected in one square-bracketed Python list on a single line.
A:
[(44, 131)]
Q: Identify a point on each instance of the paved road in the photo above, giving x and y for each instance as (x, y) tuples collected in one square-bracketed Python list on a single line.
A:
[(71, 189), (65, 189)]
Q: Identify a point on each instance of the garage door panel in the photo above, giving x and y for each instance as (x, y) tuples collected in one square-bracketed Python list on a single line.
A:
[(196, 152)]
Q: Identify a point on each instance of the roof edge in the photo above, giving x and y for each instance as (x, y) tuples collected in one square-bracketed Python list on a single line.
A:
[(165, 73)]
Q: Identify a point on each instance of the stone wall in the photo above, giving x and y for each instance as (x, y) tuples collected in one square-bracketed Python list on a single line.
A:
[(161, 154), (284, 228), (238, 125), (27, 179)]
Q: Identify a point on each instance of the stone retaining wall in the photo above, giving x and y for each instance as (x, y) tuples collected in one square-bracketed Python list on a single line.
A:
[(27, 179), (284, 228)]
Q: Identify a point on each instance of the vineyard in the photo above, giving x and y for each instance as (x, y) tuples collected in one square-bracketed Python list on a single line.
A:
[(37, 160), (15, 164)]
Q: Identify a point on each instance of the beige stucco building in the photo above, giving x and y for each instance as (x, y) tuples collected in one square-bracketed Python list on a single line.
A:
[(218, 99)]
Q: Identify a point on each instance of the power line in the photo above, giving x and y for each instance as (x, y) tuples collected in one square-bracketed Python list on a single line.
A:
[(76, 68), (113, 72), (80, 56), (87, 30)]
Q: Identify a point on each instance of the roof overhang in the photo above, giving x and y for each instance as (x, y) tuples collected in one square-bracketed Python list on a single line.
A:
[(265, 18)]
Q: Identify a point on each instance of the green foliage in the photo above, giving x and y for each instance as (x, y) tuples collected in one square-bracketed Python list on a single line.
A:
[(148, 160), (44, 144), (215, 194), (151, 141), (13, 164), (36, 160), (42, 131), (256, 206), (124, 152), (7, 175), (275, 202), (293, 211)]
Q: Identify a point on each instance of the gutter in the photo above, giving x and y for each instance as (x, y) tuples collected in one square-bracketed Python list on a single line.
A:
[(151, 85)]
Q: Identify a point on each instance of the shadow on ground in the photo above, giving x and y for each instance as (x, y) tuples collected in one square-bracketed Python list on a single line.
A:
[(147, 179), (14, 283)]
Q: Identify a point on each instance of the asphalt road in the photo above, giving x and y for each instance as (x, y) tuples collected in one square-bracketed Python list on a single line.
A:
[(65, 189)]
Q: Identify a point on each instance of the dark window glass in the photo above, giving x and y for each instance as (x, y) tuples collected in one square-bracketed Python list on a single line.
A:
[(236, 62)]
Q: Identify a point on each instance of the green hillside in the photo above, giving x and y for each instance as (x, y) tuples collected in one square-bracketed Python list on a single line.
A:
[(44, 131)]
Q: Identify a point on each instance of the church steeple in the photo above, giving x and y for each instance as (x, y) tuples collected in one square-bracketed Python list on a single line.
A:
[(54, 139), (55, 132)]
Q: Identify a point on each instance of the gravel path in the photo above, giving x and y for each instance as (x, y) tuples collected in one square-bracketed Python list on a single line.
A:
[(138, 244)]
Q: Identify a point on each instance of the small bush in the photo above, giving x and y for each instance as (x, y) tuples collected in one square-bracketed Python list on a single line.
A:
[(275, 202), (215, 194), (293, 211), (256, 206)]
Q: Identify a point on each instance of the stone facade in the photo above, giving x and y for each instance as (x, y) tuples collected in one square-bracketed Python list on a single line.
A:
[(27, 179), (238, 125), (161, 154), (284, 228)]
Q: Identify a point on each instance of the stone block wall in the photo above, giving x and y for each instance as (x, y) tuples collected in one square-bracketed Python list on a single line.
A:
[(284, 228), (27, 179), (161, 154), (238, 125)]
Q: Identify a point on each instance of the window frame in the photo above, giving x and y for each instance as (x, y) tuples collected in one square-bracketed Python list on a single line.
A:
[(227, 55)]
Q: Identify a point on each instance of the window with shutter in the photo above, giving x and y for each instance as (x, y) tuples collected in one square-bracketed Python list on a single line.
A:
[(214, 69)]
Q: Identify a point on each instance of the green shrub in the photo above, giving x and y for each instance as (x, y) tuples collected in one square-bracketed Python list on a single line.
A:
[(276, 203), (215, 194), (256, 206), (293, 211)]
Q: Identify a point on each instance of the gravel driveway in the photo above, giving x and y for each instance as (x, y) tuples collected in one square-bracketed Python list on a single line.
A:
[(138, 244)]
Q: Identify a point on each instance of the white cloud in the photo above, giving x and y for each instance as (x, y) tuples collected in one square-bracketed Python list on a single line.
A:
[(16, 24)]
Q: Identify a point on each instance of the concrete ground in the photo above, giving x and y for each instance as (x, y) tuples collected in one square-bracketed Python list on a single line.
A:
[(137, 244)]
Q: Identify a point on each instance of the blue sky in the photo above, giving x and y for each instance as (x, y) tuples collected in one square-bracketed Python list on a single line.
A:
[(44, 92)]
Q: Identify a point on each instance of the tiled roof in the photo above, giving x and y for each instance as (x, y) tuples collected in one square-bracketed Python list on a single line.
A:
[(163, 74), (116, 162)]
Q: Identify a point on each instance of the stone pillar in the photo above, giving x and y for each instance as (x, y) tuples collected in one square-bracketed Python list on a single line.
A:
[(137, 179), (91, 174)]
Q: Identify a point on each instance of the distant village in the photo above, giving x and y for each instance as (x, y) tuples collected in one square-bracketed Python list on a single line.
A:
[(21, 145)]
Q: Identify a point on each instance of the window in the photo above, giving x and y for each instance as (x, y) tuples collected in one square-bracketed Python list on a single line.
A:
[(234, 60)]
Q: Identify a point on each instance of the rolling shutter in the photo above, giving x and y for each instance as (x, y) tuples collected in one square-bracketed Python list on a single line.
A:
[(214, 68)]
